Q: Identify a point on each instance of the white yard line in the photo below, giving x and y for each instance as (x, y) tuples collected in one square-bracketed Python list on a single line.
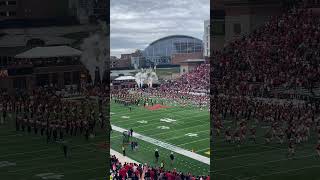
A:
[(167, 146)]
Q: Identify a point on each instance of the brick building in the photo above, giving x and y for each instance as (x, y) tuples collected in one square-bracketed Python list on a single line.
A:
[(128, 61), (177, 59)]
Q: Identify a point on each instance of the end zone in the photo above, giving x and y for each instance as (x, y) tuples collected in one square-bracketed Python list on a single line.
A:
[(156, 107)]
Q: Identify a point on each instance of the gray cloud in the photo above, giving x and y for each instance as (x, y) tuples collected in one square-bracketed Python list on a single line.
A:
[(135, 24)]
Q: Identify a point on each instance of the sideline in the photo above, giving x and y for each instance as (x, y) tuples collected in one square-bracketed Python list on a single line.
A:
[(170, 147)]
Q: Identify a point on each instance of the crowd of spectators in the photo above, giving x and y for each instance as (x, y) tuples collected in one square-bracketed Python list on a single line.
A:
[(189, 88), (198, 80), (134, 171), (284, 52)]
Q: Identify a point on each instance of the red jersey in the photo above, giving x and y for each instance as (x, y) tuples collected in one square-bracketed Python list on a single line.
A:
[(151, 174), (123, 173)]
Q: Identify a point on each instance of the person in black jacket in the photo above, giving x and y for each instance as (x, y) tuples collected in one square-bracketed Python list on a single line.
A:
[(156, 155), (172, 158)]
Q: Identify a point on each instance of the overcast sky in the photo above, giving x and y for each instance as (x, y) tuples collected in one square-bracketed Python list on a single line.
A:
[(136, 23)]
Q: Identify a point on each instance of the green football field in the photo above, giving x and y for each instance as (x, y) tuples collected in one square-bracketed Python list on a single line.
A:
[(264, 162), (25, 156), (185, 127)]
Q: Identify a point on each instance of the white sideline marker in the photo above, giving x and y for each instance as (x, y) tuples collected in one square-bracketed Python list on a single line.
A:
[(191, 135), (168, 120), (163, 127), (6, 164), (142, 122), (168, 146)]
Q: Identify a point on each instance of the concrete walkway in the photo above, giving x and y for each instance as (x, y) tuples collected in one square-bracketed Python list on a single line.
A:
[(122, 158)]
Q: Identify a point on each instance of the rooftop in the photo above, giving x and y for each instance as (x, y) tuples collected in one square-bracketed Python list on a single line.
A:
[(173, 36), (122, 78), (50, 51), (193, 61), (21, 40)]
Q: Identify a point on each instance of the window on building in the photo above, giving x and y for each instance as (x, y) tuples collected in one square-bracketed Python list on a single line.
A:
[(3, 14), (237, 29), (2, 3)]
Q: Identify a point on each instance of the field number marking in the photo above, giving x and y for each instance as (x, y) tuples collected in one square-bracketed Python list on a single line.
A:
[(142, 122), (192, 135), (168, 120), (6, 164), (163, 127)]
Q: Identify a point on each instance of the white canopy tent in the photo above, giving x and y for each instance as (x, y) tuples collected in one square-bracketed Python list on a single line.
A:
[(124, 78)]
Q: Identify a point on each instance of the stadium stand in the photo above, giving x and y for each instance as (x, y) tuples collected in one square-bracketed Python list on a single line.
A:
[(134, 171), (269, 79)]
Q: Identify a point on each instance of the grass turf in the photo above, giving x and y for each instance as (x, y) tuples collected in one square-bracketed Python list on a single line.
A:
[(167, 71), (147, 122), (33, 156), (263, 162)]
